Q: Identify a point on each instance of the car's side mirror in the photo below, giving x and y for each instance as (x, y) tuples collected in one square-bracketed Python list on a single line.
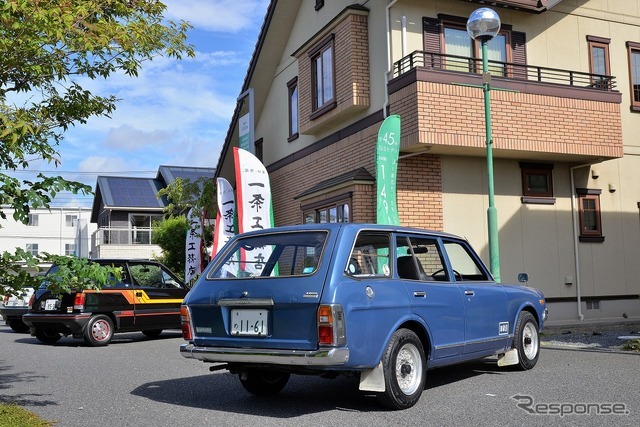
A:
[(523, 278)]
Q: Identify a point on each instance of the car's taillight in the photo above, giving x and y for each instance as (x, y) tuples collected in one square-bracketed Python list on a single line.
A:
[(331, 330), (31, 300), (185, 321), (6, 299), (78, 302)]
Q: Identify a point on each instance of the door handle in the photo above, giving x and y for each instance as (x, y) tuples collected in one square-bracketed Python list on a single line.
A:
[(469, 293), (419, 294), (138, 294)]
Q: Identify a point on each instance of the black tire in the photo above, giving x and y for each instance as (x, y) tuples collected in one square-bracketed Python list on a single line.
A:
[(263, 382), (405, 372), (99, 330), (47, 336), (152, 333), (18, 326), (527, 341)]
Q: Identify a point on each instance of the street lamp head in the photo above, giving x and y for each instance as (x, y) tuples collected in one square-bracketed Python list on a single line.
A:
[(483, 24)]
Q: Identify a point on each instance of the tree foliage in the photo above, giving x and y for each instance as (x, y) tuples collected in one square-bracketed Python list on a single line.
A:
[(48, 51), (170, 235)]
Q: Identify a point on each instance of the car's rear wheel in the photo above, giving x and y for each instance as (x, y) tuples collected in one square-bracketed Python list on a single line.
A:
[(527, 341), (47, 336), (404, 368), (18, 325), (152, 333), (263, 382), (99, 330)]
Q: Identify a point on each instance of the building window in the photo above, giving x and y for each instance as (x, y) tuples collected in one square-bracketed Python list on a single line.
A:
[(633, 50), (599, 61), (258, 145), (457, 42), (323, 89), (70, 220), (32, 220), (31, 248), (339, 211), (590, 215), (293, 109), (537, 183), (69, 249)]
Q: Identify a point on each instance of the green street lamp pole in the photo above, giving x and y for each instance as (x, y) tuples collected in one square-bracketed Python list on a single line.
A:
[(483, 25)]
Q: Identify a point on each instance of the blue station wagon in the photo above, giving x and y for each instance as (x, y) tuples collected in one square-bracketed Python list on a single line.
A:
[(381, 302)]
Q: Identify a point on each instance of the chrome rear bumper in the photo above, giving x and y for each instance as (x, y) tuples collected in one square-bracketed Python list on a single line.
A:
[(322, 357)]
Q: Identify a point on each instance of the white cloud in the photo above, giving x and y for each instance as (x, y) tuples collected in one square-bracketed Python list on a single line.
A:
[(231, 16)]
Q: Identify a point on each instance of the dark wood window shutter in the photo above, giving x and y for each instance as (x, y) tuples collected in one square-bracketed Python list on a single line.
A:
[(519, 54), (431, 30)]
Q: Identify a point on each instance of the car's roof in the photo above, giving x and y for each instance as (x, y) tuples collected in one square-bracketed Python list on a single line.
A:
[(355, 227)]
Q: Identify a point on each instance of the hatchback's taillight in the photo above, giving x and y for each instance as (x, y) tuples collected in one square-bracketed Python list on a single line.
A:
[(78, 302), (31, 300), (331, 329), (185, 321)]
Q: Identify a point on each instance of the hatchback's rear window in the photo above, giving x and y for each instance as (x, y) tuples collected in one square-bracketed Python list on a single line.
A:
[(272, 255)]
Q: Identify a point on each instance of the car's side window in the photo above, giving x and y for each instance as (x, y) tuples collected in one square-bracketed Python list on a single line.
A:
[(370, 255), (147, 275), (464, 265), (419, 258)]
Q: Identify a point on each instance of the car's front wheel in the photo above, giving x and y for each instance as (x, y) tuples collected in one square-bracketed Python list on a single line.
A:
[(47, 336), (99, 330), (263, 382), (404, 368), (527, 341), (18, 326)]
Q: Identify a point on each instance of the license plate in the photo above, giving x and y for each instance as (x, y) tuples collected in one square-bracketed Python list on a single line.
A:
[(249, 322), (51, 304)]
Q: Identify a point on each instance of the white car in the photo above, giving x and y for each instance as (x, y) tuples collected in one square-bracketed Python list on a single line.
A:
[(13, 307)]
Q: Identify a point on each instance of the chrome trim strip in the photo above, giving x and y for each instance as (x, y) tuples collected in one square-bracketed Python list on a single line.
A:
[(261, 302), (322, 357), (501, 338)]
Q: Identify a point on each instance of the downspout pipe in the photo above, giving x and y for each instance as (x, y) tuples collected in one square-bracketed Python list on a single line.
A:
[(576, 235), (389, 71)]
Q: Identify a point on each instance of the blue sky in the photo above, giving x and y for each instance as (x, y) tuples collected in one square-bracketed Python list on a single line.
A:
[(175, 112)]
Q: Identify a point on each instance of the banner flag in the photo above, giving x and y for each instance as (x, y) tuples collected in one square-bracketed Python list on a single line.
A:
[(193, 248), (224, 228), (254, 206), (387, 152)]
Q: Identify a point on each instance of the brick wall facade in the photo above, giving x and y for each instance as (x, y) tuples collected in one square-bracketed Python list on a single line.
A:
[(351, 74), (419, 184), (445, 114)]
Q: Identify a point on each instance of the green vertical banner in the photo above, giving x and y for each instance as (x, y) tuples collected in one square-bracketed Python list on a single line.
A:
[(387, 151)]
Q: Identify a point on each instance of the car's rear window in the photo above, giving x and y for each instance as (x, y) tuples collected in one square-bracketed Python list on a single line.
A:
[(272, 255)]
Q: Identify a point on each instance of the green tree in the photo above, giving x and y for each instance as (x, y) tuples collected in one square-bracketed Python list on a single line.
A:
[(47, 49), (170, 235)]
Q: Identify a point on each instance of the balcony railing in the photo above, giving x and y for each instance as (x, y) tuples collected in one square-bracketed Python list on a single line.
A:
[(121, 236), (462, 64)]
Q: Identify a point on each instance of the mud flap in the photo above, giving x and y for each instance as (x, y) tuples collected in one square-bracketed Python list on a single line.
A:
[(509, 358), (372, 379)]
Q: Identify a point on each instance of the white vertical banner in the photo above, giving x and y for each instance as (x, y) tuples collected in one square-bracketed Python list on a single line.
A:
[(254, 205), (224, 228), (193, 247)]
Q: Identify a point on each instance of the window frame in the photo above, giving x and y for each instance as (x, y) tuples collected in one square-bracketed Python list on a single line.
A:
[(338, 202), (292, 88), (32, 220), (588, 235), (603, 43), (458, 23), (69, 249), (70, 220), (529, 196), (316, 54), (32, 248), (633, 47)]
